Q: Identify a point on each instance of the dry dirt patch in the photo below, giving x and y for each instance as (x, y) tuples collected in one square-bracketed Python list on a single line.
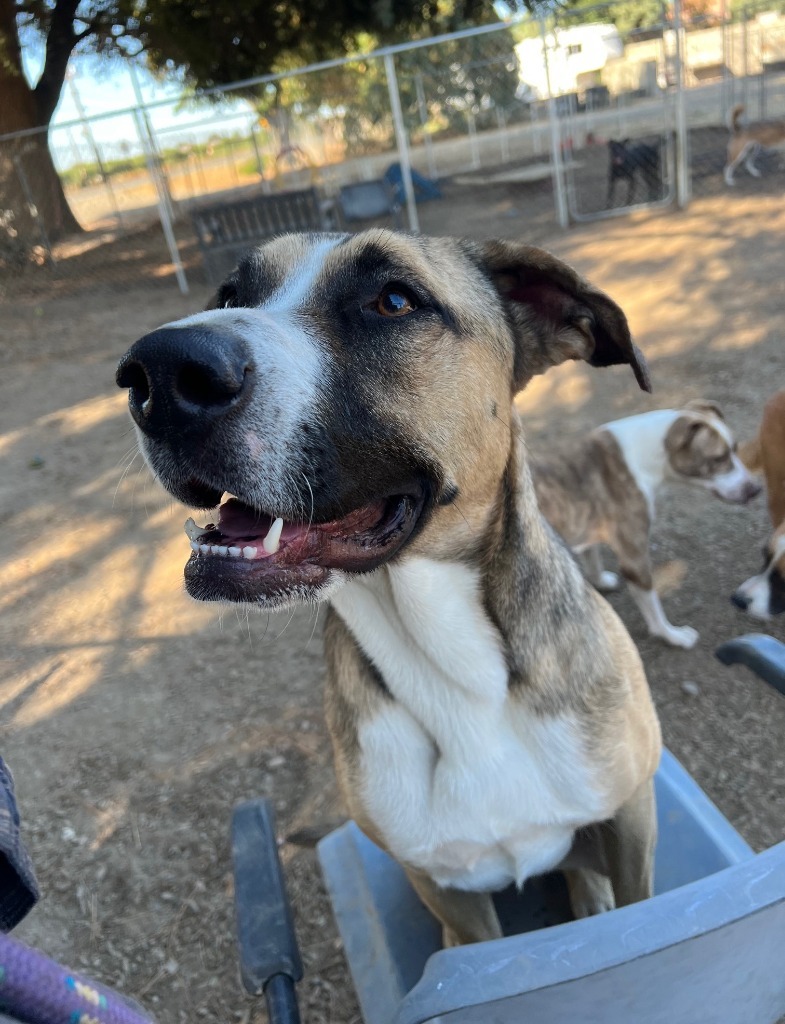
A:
[(134, 719)]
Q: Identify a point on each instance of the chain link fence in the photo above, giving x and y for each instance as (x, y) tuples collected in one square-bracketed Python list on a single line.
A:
[(517, 128)]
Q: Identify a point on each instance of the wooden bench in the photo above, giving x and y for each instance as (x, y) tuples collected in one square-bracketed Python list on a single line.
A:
[(226, 230)]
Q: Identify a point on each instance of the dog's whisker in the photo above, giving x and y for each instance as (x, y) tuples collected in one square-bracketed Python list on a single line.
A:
[(310, 517), (123, 475), (315, 623), (288, 622)]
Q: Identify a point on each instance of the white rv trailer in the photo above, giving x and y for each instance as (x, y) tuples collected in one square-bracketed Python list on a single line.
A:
[(575, 56)]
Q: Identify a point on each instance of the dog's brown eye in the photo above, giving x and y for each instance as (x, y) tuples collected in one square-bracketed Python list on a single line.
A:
[(394, 301)]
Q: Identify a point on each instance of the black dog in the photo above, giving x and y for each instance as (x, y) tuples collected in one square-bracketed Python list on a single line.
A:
[(631, 159)]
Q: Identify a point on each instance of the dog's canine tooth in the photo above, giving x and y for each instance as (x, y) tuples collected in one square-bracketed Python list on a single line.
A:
[(192, 531), (249, 552), (272, 541), (194, 546), (234, 552)]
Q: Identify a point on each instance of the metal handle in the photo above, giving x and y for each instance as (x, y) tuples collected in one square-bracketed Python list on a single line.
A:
[(760, 653), (269, 955)]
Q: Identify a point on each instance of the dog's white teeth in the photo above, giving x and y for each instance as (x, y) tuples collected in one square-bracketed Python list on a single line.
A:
[(271, 545), (192, 531), (272, 541)]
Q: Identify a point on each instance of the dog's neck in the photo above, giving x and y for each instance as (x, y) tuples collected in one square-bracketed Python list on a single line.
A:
[(642, 442), (481, 625)]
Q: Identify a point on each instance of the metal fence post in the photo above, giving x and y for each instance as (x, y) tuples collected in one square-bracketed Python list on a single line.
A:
[(745, 98), (682, 140), (422, 107), (559, 193), (163, 209), (144, 126), (401, 141), (87, 132)]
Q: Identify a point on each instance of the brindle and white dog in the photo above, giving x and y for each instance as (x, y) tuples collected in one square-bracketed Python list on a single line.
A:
[(603, 489), (490, 715)]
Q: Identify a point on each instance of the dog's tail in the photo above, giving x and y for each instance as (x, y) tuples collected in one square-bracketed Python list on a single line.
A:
[(751, 455), (734, 115)]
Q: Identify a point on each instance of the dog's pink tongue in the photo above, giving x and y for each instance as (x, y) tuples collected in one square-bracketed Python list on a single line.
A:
[(235, 519)]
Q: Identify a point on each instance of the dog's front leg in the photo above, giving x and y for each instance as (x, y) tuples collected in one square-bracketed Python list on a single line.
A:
[(629, 839), (465, 916), (648, 602), (631, 547)]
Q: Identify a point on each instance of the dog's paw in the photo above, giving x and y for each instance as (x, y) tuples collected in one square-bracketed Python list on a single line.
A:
[(608, 580), (681, 636), (590, 893)]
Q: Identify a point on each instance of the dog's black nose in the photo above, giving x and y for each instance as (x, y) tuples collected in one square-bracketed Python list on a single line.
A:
[(184, 378), (740, 600)]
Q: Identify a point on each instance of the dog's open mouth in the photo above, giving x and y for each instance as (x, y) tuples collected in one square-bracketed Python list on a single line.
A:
[(249, 555)]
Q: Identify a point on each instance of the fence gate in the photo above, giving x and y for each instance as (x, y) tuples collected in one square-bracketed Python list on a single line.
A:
[(615, 108)]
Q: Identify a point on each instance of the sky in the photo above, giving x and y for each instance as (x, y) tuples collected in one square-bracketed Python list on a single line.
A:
[(100, 86)]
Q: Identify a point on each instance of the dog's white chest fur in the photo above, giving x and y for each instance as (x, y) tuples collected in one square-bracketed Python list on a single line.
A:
[(461, 780)]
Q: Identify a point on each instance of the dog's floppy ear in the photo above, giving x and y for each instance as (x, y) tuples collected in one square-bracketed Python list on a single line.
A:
[(556, 315), (225, 296), (705, 405), (681, 433)]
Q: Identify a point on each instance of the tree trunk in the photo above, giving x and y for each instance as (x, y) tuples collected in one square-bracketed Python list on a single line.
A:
[(33, 206)]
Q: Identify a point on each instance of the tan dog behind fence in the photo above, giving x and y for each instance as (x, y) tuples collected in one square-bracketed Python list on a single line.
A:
[(746, 141)]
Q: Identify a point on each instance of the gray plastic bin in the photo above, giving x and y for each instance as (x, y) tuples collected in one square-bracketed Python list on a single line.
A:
[(706, 949)]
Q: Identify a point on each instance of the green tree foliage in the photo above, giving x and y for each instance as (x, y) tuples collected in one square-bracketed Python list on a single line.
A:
[(627, 16), (211, 42)]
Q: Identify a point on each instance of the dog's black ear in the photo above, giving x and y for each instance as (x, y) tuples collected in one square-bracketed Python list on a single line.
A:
[(225, 297), (705, 405), (557, 315)]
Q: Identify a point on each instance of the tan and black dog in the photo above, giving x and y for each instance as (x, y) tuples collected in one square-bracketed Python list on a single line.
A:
[(603, 490), (747, 140), (763, 596), (489, 713)]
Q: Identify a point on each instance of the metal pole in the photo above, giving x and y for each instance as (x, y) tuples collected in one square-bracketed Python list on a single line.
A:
[(682, 141), (745, 57), (534, 113), (163, 210), (471, 125), (152, 143), (426, 135), (401, 141), (257, 154), (503, 139), (725, 84), (562, 213), (87, 132)]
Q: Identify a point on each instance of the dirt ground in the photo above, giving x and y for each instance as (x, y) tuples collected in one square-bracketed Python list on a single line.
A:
[(134, 719)]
